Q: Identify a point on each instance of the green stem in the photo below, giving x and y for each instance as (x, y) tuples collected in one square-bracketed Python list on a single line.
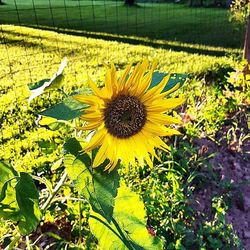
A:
[(74, 121), (13, 243), (124, 238), (62, 91), (54, 191), (67, 198), (41, 180), (107, 225), (38, 238), (28, 242), (80, 220)]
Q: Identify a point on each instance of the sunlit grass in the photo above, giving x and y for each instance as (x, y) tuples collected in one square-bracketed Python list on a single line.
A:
[(28, 55)]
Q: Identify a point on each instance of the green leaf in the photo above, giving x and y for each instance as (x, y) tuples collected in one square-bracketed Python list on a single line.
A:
[(38, 88), (47, 147), (19, 199), (106, 233), (3, 190), (57, 164), (45, 121), (77, 164), (73, 147), (175, 79), (51, 123), (12, 243), (102, 191), (36, 85), (28, 201), (66, 110), (8, 206), (6, 173), (97, 185), (128, 228)]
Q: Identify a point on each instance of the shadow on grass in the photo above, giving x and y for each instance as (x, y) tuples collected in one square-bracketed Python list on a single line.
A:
[(155, 25), (194, 49)]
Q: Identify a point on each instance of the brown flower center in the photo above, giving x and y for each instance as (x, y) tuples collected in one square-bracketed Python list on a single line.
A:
[(124, 116)]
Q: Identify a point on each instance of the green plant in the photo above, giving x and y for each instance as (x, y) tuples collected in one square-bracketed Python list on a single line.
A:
[(217, 234), (109, 221), (240, 10), (166, 190), (240, 77)]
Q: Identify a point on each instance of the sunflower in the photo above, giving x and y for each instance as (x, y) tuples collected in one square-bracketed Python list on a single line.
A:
[(128, 118)]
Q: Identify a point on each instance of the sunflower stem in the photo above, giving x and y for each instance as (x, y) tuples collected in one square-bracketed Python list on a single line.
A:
[(54, 191), (106, 225), (80, 220), (120, 234), (27, 242), (124, 238), (13, 242)]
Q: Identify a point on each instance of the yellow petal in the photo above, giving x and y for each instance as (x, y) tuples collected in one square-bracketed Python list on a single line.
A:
[(149, 161), (144, 84), (111, 165), (140, 73), (110, 82), (127, 150), (96, 140), (159, 130), (90, 126), (164, 105), (154, 64), (160, 143), (131, 78), (161, 95), (140, 148), (163, 119), (94, 87), (86, 99), (122, 79), (113, 78), (92, 117), (101, 155), (155, 90)]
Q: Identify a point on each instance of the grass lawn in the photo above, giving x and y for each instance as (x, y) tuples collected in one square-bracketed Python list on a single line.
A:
[(187, 194), (171, 197), (165, 21)]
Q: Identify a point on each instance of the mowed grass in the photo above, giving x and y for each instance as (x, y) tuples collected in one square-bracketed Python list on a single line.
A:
[(28, 55), (166, 21)]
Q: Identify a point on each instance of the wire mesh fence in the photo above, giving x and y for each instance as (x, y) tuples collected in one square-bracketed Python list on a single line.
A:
[(28, 55), (156, 23), (154, 20), (35, 35)]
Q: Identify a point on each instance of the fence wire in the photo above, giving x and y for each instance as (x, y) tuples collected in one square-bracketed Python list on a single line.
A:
[(165, 24), (154, 20)]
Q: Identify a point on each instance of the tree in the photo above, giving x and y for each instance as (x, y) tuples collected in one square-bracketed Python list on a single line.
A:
[(192, 3), (129, 2), (241, 13)]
